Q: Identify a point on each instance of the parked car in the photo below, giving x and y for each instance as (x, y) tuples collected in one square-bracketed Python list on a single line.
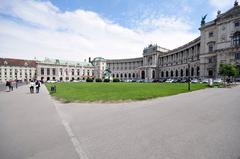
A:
[(51, 81), (218, 80), (205, 80), (175, 81), (183, 81), (195, 80), (169, 80), (162, 80), (155, 81)]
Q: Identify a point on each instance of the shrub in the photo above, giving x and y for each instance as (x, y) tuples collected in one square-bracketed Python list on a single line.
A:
[(116, 80), (106, 80), (89, 80), (98, 80)]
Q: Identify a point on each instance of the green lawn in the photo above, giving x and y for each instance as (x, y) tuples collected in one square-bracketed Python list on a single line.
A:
[(109, 92)]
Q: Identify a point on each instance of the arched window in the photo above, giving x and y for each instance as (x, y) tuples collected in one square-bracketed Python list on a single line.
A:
[(113, 75), (171, 73), (236, 39), (176, 73), (153, 74), (198, 71), (187, 72), (125, 75), (192, 71), (133, 75), (129, 75), (162, 74), (121, 75), (166, 73), (117, 75), (181, 73)]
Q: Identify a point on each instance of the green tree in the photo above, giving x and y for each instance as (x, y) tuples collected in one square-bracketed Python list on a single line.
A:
[(228, 70)]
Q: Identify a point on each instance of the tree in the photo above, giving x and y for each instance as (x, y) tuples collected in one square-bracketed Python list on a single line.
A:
[(228, 70)]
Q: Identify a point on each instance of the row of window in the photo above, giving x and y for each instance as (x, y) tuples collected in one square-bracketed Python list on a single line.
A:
[(176, 73), (66, 71)]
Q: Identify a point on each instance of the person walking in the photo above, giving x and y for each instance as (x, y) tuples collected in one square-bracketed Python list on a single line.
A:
[(31, 86), (16, 83), (8, 85), (38, 85)]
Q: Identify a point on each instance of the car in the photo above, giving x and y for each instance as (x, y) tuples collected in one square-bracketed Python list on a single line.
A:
[(140, 81), (51, 81), (155, 81), (169, 80), (205, 80), (162, 80), (174, 80), (218, 80), (183, 81), (194, 80)]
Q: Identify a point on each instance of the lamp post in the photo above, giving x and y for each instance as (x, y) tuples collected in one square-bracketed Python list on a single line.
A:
[(189, 80)]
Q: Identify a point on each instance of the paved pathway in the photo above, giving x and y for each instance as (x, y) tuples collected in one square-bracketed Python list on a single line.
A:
[(30, 127), (199, 125)]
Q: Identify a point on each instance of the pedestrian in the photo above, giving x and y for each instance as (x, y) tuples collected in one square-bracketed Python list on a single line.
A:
[(8, 85), (11, 86), (31, 86), (16, 83), (38, 85)]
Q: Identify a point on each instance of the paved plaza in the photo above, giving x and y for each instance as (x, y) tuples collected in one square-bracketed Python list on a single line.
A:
[(203, 124)]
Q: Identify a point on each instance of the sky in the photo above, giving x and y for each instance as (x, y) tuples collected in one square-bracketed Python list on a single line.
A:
[(112, 29)]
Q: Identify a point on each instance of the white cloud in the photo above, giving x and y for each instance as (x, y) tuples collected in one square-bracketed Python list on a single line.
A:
[(222, 5), (40, 29)]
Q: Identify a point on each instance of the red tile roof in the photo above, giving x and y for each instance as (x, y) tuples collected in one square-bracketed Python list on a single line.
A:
[(17, 62)]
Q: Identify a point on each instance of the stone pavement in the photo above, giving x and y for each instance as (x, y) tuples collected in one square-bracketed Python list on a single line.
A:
[(203, 124), (30, 127)]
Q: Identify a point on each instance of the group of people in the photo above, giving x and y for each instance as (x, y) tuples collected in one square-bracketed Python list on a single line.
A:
[(10, 84), (34, 84)]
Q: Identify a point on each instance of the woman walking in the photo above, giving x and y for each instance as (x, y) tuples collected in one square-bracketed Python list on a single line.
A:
[(31, 86), (38, 85)]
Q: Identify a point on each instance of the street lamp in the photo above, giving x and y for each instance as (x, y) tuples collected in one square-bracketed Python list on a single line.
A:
[(189, 80)]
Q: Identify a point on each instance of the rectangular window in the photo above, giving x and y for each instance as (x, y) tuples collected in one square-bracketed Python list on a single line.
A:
[(42, 71), (237, 56), (54, 71), (73, 72), (210, 34), (48, 71), (236, 24)]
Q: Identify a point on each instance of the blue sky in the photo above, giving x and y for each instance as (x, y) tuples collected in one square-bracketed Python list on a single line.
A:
[(76, 29)]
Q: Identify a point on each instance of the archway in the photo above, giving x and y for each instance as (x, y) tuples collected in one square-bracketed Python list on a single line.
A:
[(192, 71), (153, 74), (143, 74), (176, 73), (181, 73), (167, 74)]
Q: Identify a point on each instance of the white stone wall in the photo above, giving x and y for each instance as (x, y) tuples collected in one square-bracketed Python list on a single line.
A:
[(17, 73)]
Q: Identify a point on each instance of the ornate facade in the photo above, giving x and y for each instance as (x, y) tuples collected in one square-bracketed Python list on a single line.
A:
[(219, 42)]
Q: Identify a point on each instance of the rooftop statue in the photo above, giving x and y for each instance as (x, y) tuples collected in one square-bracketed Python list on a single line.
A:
[(203, 19), (236, 3)]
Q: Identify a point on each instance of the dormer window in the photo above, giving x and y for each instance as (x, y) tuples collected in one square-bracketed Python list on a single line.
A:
[(5, 62), (26, 64)]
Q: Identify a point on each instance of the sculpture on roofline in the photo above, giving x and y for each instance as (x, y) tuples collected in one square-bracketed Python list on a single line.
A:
[(236, 3), (203, 20)]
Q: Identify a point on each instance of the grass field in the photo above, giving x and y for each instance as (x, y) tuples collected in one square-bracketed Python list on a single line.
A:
[(114, 92)]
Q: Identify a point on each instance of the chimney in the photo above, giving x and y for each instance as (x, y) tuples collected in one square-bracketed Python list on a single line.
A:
[(89, 59)]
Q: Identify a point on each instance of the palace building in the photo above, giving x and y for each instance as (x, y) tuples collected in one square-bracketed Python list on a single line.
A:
[(219, 42)]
